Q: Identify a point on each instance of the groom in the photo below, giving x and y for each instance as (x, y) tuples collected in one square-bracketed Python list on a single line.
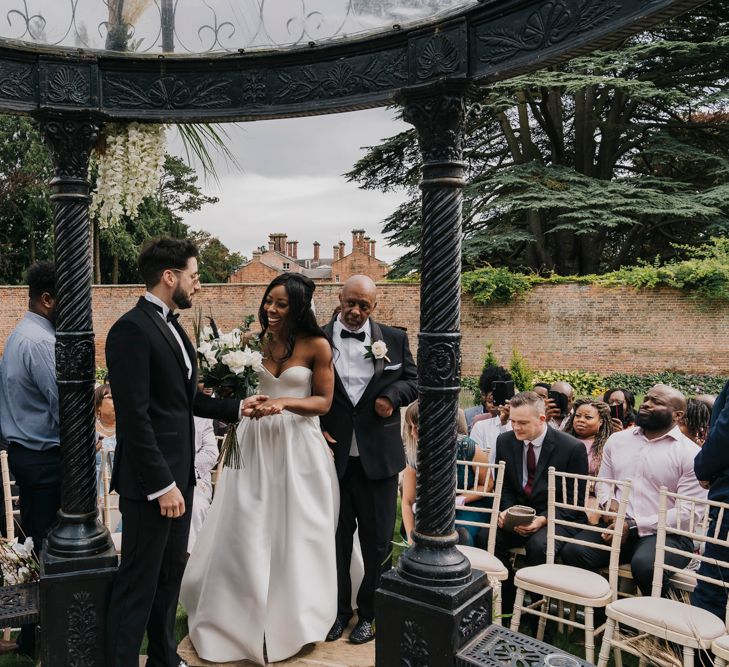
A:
[(153, 375), (375, 376)]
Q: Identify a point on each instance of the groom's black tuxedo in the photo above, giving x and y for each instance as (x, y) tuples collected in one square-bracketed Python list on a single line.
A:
[(368, 482), (154, 402)]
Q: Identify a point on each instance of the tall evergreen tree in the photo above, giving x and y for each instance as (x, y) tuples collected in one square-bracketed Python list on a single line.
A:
[(613, 158)]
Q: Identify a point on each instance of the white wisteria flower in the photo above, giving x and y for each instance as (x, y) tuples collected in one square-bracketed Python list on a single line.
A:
[(377, 350)]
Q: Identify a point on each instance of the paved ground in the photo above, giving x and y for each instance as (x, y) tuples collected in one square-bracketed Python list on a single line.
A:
[(323, 654)]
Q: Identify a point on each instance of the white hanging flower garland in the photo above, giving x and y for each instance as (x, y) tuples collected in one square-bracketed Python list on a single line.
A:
[(128, 171)]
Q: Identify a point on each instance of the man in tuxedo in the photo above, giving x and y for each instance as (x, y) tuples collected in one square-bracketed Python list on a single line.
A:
[(529, 451), (153, 375), (375, 376)]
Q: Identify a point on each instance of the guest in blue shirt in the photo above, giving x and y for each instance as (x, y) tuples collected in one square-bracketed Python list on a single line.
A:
[(29, 414)]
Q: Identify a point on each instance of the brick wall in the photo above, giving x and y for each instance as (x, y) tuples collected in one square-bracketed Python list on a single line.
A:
[(561, 326)]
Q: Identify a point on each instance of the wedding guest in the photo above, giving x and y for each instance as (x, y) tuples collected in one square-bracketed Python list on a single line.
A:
[(206, 457), (623, 397), (708, 399), (488, 408), (591, 424), (486, 431), (466, 451), (558, 413), (712, 468), (29, 418), (695, 423), (528, 452), (542, 389), (653, 454), (105, 427)]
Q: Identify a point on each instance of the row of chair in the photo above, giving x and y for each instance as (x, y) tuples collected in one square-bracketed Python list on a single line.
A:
[(670, 620)]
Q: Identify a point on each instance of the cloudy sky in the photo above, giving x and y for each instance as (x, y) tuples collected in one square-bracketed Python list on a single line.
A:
[(291, 181)]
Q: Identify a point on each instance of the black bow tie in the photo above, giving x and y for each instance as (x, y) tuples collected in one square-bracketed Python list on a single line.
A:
[(171, 317), (349, 334)]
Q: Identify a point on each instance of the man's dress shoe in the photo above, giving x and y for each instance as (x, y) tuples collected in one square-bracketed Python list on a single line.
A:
[(363, 632), (337, 630)]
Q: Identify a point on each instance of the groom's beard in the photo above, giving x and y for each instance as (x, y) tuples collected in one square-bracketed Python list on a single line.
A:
[(182, 300)]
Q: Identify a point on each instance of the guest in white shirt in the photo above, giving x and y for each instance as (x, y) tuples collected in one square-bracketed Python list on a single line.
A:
[(206, 457), (653, 454)]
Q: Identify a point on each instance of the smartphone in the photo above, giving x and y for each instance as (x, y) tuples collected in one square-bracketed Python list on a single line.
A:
[(503, 391), (617, 411), (560, 401)]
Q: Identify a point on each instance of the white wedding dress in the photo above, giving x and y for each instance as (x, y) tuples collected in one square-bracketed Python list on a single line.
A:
[(264, 565)]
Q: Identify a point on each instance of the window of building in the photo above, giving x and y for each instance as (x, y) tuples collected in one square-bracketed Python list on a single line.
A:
[(336, 278), (286, 266)]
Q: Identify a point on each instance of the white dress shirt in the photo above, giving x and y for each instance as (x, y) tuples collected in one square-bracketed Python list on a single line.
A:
[(666, 461), (354, 369), (537, 442), (485, 432)]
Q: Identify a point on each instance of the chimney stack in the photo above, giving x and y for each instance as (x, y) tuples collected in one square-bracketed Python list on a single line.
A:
[(341, 249), (271, 242), (372, 247), (335, 256), (366, 245), (295, 249), (256, 254), (316, 251), (358, 240)]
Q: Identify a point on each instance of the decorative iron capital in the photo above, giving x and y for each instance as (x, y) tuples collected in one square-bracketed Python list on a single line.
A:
[(71, 138)]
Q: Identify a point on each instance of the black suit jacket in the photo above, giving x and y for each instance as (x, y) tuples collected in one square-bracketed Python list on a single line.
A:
[(154, 403), (712, 462), (379, 440), (559, 450)]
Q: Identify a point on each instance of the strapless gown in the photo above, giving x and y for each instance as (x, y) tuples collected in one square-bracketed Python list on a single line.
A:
[(264, 565)]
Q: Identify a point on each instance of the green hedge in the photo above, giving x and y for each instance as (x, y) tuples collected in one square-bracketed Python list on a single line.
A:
[(705, 275)]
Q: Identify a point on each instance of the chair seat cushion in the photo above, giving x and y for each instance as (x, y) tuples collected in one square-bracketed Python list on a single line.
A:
[(672, 615), (484, 561), (564, 579), (720, 647)]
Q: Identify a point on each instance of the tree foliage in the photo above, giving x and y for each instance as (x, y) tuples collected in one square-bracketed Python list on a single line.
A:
[(616, 157)]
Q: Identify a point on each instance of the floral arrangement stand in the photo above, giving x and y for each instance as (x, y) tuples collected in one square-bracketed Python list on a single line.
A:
[(501, 647)]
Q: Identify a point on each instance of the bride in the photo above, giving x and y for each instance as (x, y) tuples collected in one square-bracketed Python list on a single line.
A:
[(263, 571)]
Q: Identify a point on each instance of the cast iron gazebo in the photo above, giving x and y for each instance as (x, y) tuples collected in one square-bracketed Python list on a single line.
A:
[(76, 64)]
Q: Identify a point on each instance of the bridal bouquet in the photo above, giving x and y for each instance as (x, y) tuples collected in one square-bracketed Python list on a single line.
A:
[(229, 364)]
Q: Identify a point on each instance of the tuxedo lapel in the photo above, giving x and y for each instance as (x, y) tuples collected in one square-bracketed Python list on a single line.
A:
[(518, 454), (161, 325), (338, 384), (191, 353), (375, 335)]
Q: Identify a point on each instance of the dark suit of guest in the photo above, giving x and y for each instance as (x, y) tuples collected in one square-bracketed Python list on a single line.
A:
[(712, 465), (155, 396), (368, 481), (558, 450)]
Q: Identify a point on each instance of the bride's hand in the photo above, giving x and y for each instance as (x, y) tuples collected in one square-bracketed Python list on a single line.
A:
[(272, 406), (252, 403)]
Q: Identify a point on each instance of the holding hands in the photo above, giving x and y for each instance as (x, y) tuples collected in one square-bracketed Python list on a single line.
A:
[(259, 406)]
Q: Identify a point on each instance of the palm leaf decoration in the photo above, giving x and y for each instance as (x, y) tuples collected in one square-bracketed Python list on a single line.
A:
[(202, 141)]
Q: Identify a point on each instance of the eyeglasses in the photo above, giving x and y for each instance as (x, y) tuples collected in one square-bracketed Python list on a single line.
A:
[(195, 277)]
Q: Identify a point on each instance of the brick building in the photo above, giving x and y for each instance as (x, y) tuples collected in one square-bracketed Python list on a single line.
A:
[(283, 255)]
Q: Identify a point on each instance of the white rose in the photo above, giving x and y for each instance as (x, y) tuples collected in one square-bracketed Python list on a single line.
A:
[(23, 574), (256, 359), (29, 544), (228, 340), (379, 349), (236, 361), (206, 333), (204, 348)]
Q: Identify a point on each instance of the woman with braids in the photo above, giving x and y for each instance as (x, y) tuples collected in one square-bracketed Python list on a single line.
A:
[(590, 423), (261, 581), (695, 423)]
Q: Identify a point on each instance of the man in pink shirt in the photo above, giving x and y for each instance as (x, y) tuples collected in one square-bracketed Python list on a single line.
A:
[(653, 454)]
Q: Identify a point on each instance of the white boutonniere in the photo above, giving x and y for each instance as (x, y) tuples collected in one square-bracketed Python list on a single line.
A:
[(377, 350)]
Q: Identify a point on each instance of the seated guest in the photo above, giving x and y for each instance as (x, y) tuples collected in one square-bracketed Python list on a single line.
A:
[(625, 398), (466, 451), (486, 383), (590, 423), (486, 431), (712, 468), (557, 414), (695, 423), (542, 389), (206, 456), (652, 454), (708, 399), (528, 452)]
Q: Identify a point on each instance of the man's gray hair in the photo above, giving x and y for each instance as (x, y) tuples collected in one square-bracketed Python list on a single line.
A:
[(530, 398)]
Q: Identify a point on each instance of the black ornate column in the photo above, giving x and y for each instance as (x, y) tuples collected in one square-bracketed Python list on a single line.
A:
[(433, 603), (79, 561)]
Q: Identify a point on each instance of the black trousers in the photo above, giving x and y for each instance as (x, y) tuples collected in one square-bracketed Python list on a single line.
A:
[(640, 552), (147, 585), (38, 476), (371, 506)]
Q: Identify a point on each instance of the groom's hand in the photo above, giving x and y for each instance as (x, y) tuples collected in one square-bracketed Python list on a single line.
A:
[(172, 504), (251, 404), (383, 407)]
